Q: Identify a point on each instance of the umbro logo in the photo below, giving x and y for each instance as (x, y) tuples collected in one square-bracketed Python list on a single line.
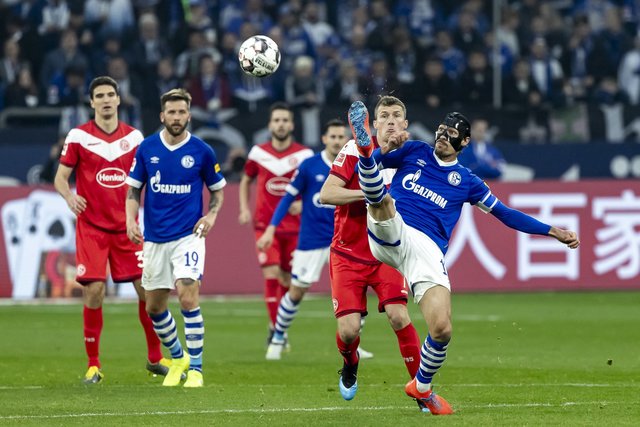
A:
[(421, 162), (155, 160)]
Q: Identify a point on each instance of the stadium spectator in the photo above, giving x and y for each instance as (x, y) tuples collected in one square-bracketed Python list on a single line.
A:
[(253, 13), (434, 88), (318, 29), (610, 45), (358, 51), (411, 233), (519, 89), (100, 57), (187, 62), (272, 164), (11, 63), (209, 89), (404, 60), (476, 81), (101, 228), (421, 18), (452, 58), (608, 93), (628, 75), (174, 226), (466, 36), (23, 92), (55, 19), (547, 74), (56, 61), (130, 90), (353, 270), (149, 48), (349, 87), (381, 80), (110, 17), (578, 59), (482, 157)]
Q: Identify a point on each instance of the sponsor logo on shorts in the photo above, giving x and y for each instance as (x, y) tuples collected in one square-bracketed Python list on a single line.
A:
[(111, 177), (81, 270)]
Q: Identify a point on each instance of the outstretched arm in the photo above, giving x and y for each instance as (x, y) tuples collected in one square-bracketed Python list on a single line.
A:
[(522, 222)]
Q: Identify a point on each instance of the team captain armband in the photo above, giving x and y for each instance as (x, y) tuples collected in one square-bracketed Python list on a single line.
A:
[(487, 203)]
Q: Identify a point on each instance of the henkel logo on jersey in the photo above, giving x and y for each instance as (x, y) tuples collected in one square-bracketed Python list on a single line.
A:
[(277, 185), (111, 177)]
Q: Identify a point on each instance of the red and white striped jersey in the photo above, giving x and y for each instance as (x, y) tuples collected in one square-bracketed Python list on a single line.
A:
[(102, 162), (273, 170)]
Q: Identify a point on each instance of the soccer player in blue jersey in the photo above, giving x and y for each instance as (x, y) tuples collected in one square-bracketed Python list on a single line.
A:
[(174, 165), (409, 228), (316, 231)]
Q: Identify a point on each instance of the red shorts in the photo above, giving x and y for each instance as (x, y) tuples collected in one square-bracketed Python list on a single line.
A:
[(349, 282), (280, 252), (94, 247)]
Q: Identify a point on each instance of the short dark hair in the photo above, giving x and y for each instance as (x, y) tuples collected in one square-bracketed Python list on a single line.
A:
[(279, 106), (103, 81), (388, 101), (332, 123), (177, 94)]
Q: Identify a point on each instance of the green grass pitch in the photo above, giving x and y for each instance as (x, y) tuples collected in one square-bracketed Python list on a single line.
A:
[(516, 359)]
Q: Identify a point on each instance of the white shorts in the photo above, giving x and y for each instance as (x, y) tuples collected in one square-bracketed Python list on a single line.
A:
[(164, 263), (409, 251), (307, 266)]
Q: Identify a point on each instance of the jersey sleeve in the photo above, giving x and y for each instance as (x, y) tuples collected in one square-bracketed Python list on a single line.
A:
[(393, 159), (481, 196), (138, 172), (251, 166), (344, 165), (69, 155), (519, 220), (211, 173)]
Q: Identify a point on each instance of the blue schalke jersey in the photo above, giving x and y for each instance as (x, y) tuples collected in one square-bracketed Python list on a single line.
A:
[(174, 177), (316, 229), (429, 193)]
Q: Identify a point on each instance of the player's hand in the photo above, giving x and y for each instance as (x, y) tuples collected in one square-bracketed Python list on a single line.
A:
[(265, 241), (133, 232), (569, 238), (204, 225), (76, 203), (295, 208), (395, 141), (244, 217)]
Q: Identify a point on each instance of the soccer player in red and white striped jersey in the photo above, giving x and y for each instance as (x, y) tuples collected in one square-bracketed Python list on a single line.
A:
[(101, 152), (272, 165)]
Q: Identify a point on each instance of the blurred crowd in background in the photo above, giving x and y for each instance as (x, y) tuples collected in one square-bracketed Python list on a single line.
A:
[(434, 53)]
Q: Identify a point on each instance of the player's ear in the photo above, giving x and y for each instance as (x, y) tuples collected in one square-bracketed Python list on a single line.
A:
[(161, 116), (465, 142)]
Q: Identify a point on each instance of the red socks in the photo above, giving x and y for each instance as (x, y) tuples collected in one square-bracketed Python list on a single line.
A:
[(154, 354), (92, 319), (272, 298), (409, 343), (349, 352)]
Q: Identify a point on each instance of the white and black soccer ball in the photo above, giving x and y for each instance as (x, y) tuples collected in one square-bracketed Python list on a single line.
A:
[(259, 56)]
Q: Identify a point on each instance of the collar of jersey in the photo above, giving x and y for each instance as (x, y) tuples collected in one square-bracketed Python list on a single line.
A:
[(325, 159), (441, 163), (175, 147)]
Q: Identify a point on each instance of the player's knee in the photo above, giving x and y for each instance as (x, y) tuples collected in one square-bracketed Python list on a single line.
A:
[(441, 330), (398, 316), (349, 333)]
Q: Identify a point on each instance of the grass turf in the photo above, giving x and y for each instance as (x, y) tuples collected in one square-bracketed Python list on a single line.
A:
[(516, 359)]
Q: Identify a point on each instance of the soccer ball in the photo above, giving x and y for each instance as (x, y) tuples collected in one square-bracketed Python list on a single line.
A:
[(259, 56)]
